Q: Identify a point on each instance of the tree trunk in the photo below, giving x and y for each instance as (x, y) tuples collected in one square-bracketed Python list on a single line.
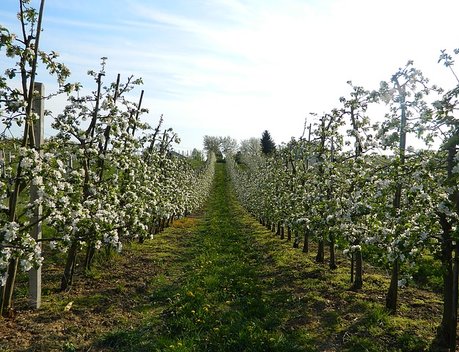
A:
[(296, 239), (332, 263), (358, 281), (153, 227), (282, 232), (28, 141), (453, 318), (306, 241), (90, 252), (352, 267), (447, 329), (6, 308), (157, 227), (392, 294), (69, 269), (320, 257)]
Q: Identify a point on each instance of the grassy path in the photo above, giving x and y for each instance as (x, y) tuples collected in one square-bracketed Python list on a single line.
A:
[(223, 301), (230, 285)]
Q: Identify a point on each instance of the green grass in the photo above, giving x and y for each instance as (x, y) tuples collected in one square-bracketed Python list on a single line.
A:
[(222, 302)]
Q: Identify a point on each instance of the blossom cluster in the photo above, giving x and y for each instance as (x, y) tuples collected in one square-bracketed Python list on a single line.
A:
[(97, 186), (352, 186)]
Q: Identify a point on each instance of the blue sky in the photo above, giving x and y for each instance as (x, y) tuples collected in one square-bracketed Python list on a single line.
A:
[(233, 67)]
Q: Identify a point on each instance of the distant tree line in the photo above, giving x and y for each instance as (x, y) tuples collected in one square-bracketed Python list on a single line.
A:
[(226, 146)]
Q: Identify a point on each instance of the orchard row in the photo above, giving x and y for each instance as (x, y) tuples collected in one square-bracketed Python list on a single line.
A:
[(352, 183), (105, 178)]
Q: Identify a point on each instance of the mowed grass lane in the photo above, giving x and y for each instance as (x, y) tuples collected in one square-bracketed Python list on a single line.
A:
[(223, 299), (229, 284)]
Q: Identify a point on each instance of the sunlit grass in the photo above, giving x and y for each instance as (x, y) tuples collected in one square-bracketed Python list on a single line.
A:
[(222, 303)]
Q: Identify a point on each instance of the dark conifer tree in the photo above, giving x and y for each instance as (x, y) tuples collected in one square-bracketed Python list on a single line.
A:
[(267, 144)]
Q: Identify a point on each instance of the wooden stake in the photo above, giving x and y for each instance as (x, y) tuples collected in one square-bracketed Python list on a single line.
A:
[(36, 231)]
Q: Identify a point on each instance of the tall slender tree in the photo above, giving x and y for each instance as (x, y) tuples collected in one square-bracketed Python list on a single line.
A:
[(16, 106), (267, 144)]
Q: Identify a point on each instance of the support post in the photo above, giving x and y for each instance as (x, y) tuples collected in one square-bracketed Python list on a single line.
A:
[(36, 231)]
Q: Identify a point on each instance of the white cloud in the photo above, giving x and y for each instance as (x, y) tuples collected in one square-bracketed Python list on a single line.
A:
[(236, 68)]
